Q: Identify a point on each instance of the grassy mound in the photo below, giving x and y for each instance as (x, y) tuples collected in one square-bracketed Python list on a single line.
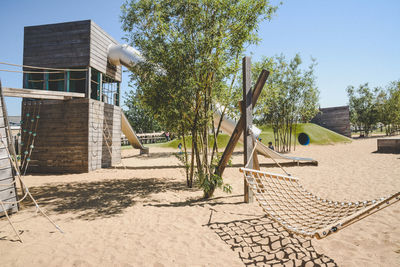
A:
[(222, 141), (318, 135)]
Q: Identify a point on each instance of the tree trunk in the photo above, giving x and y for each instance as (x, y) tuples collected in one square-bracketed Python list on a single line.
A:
[(186, 158)]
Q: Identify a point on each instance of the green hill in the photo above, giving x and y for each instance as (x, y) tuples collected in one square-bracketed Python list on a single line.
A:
[(222, 141), (318, 136)]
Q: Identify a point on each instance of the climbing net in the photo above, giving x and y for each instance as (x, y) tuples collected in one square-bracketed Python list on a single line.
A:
[(29, 126), (303, 213)]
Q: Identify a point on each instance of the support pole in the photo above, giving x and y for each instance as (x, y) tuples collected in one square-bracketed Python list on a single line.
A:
[(262, 78), (26, 80), (66, 80), (247, 114), (101, 87), (88, 90), (46, 81)]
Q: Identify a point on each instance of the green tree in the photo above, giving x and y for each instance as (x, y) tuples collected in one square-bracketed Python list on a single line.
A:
[(139, 117), (192, 48), (388, 107), (290, 97), (363, 107)]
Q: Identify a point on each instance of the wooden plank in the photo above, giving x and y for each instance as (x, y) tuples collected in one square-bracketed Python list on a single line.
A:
[(37, 43), (7, 191), (262, 78), (5, 170), (68, 43), (55, 27), (59, 55), (67, 62), (41, 94), (6, 180)]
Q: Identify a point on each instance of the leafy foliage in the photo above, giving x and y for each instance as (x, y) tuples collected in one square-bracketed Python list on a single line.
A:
[(363, 108), (139, 117), (290, 97), (388, 107), (192, 50)]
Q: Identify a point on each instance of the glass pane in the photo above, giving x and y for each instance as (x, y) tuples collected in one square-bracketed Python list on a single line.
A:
[(56, 81), (77, 81)]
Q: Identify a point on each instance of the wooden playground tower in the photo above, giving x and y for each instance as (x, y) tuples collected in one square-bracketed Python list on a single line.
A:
[(76, 134)]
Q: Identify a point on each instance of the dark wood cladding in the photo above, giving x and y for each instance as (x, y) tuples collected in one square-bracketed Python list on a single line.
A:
[(388, 145), (61, 45), (61, 141), (336, 119), (99, 42), (77, 44), (69, 135)]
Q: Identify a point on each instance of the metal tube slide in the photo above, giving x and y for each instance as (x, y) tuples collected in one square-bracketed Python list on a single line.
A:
[(127, 56), (123, 54), (131, 135)]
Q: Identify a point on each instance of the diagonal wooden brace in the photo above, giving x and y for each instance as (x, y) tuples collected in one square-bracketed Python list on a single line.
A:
[(262, 78)]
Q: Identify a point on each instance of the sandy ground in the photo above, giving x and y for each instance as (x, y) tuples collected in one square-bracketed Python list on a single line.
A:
[(145, 215)]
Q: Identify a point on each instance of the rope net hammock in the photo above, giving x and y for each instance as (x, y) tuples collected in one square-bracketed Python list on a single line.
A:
[(303, 213)]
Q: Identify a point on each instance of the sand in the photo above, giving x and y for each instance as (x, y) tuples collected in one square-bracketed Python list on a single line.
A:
[(145, 215)]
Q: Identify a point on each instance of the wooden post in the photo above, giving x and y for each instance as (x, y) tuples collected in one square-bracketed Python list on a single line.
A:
[(46, 81), (100, 85), (118, 94), (66, 80), (262, 78), (248, 121), (88, 83), (26, 80)]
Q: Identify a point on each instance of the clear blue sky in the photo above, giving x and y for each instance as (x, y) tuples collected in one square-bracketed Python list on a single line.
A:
[(354, 41)]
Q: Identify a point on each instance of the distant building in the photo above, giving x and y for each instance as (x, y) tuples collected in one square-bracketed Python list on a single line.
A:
[(336, 119), (14, 120), (15, 124)]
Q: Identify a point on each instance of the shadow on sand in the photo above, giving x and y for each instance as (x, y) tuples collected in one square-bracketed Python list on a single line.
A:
[(265, 165), (100, 199), (151, 155), (262, 242), (258, 241), (201, 202), (386, 152)]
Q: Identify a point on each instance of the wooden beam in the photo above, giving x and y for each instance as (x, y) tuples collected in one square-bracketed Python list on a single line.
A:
[(100, 96), (262, 78), (247, 114), (88, 84), (66, 80), (41, 94)]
